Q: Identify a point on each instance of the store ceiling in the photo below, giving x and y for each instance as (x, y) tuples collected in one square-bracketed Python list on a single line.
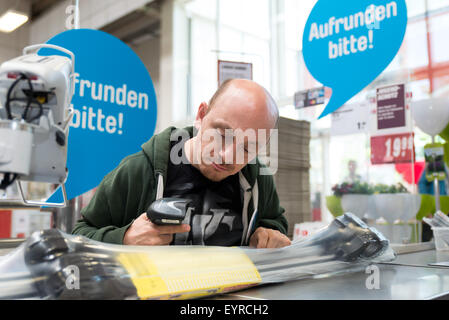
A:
[(139, 25), (40, 6), (134, 28)]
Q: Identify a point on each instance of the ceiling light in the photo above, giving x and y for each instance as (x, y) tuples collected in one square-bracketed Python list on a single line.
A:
[(11, 20)]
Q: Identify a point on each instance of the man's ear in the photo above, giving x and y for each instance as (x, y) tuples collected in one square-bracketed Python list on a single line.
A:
[(202, 111)]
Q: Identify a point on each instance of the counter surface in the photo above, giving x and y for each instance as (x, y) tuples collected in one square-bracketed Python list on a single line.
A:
[(396, 282), (421, 259)]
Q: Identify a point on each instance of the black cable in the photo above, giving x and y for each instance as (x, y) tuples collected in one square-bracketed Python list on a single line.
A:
[(33, 101), (41, 111), (30, 100), (7, 180), (8, 96)]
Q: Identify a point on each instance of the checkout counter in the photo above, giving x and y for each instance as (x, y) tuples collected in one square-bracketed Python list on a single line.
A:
[(418, 273), (411, 276)]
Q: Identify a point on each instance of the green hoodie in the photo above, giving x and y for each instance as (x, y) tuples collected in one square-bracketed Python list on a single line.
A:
[(128, 190)]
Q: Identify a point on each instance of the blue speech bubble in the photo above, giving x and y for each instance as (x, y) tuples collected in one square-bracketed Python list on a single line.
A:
[(346, 45), (115, 107)]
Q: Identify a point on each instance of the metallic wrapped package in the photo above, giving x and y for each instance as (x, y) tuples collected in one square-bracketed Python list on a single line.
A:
[(54, 265)]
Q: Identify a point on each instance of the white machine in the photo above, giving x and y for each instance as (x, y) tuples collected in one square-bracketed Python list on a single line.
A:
[(35, 114)]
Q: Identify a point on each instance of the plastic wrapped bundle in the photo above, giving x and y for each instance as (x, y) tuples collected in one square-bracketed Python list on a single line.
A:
[(439, 220), (54, 265)]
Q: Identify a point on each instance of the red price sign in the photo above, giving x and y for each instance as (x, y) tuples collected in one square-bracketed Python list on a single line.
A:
[(395, 148)]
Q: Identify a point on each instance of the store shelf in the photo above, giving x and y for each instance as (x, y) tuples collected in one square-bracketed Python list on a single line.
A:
[(15, 204), (9, 244)]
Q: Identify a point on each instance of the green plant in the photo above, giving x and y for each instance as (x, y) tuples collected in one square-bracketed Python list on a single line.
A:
[(364, 188), (352, 188), (383, 188)]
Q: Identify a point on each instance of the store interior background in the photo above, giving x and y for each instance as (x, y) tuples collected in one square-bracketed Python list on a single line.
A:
[(180, 42)]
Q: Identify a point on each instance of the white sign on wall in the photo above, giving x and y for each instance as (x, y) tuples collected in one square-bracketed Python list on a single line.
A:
[(234, 70), (350, 119)]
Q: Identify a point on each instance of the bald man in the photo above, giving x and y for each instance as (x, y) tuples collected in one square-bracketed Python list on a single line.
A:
[(213, 164)]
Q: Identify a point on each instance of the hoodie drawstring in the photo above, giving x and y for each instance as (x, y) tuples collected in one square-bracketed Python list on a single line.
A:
[(160, 187), (249, 193)]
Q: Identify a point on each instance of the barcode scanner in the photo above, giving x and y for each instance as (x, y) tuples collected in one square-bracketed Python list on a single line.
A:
[(168, 211)]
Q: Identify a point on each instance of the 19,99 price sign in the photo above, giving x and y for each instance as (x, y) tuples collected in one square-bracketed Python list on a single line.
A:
[(395, 148)]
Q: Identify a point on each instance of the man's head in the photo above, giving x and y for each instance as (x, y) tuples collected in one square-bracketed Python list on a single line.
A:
[(232, 127)]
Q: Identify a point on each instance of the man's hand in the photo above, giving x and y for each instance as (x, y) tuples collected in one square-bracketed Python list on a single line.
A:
[(143, 232), (268, 238)]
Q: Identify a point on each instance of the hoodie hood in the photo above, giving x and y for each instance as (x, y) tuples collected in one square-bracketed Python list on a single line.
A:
[(157, 150)]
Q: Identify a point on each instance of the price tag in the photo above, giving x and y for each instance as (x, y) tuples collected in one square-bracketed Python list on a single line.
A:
[(395, 148), (350, 119)]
